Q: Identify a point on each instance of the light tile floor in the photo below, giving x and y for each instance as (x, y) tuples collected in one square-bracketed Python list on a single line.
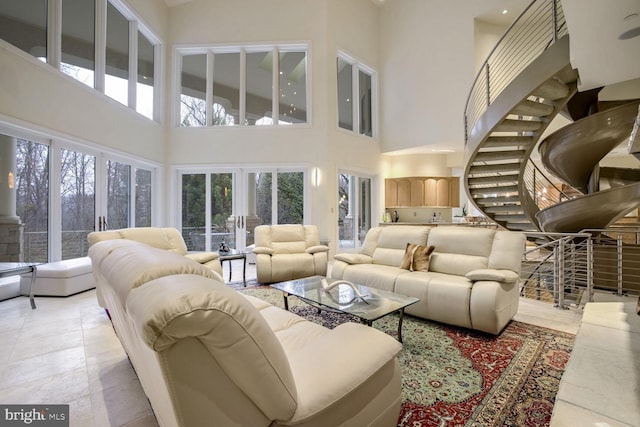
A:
[(65, 351)]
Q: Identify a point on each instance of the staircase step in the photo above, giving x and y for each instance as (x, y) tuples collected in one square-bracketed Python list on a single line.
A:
[(513, 218), (532, 108), (510, 125), (552, 89), (488, 156), (513, 167), (503, 189), (508, 141), (484, 201), (504, 209), (497, 179), (521, 226)]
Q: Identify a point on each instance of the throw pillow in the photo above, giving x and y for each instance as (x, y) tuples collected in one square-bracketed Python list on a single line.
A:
[(416, 257)]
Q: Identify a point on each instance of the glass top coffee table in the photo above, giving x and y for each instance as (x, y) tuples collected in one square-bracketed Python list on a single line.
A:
[(342, 298)]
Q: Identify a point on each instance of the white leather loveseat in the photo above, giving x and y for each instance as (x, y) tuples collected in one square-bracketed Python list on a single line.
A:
[(472, 278), (207, 355), (289, 251)]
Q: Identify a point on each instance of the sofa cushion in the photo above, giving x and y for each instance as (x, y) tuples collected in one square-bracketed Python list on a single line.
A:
[(392, 242), (374, 275), (460, 250), (416, 257)]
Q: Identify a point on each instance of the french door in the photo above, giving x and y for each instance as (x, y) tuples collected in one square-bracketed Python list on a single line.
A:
[(354, 209), (223, 206)]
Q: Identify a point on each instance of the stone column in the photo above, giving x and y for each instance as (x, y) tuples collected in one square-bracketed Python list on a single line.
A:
[(10, 226)]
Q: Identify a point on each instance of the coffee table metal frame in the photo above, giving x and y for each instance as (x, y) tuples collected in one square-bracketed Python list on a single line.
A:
[(16, 268), (342, 299)]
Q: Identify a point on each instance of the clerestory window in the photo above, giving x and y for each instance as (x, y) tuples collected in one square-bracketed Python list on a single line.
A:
[(356, 96), (99, 43), (243, 86)]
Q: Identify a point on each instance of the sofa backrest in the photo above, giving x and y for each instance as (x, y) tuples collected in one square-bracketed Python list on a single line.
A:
[(167, 238), (459, 249), (287, 238), (386, 245), (127, 264)]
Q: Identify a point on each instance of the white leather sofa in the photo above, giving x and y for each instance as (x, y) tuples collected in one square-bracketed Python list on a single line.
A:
[(207, 355), (472, 278), (288, 251)]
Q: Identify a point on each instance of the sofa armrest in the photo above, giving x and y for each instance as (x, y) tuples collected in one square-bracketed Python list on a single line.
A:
[(203, 257), (340, 361), (262, 250), (350, 258), (317, 248), (502, 276)]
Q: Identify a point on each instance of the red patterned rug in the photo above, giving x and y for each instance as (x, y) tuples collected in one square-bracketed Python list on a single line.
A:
[(457, 377)]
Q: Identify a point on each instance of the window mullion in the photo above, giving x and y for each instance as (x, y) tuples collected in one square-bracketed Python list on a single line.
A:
[(275, 86), (209, 89), (54, 32), (243, 86), (101, 44)]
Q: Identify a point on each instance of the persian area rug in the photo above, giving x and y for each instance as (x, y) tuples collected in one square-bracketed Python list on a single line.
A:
[(457, 377)]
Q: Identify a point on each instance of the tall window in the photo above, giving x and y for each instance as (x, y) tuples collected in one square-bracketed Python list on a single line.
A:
[(116, 83), (23, 23), (78, 40), (356, 96), (143, 199), (354, 209), (32, 198), (78, 201), (146, 76), (274, 89)]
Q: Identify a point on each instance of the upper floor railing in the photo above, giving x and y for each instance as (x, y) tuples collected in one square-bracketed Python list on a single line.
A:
[(537, 28)]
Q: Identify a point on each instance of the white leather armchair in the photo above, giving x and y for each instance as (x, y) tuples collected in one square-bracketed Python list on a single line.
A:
[(167, 238), (288, 251)]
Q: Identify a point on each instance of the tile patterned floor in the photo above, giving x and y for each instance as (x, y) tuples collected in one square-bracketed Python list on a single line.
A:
[(65, 351)]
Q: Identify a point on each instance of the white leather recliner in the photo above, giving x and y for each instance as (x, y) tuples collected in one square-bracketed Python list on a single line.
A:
[(167, 238), (288, 251)]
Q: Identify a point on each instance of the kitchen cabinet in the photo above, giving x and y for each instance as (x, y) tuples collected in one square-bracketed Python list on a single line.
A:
[(422, 192)]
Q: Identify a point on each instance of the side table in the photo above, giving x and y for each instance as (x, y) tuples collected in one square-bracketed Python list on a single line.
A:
[(230, 256), (16, 268)]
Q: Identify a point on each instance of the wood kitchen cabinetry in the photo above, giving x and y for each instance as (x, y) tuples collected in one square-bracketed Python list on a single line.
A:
[(426, 191)]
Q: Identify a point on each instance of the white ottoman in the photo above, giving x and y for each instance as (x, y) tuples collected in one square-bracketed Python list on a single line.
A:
[(60, 278)]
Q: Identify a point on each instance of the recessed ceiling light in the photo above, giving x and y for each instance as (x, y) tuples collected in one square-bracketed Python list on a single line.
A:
[(505, 11)]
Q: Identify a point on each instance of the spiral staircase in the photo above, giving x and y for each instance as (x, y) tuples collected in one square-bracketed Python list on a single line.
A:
[(525, 82)]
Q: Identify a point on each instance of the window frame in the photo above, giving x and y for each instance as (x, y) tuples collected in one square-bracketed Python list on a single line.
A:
[(357, 67), (210, 51)]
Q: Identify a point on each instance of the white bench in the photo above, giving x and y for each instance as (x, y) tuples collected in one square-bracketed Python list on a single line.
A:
[(60, 278), (601, 384)]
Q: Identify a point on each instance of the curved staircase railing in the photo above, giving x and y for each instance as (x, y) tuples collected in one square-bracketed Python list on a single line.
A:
[(541, 24), (523, 84)]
